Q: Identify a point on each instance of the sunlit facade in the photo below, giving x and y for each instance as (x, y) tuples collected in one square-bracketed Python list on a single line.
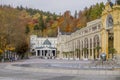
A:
[(99, 36), (83, 43)]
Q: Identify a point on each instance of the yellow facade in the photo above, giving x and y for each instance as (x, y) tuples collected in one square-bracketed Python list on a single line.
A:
[(114, 11)]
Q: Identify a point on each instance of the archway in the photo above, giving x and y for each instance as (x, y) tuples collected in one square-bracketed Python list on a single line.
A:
[(91, 47), (97, 46), (86, 48)]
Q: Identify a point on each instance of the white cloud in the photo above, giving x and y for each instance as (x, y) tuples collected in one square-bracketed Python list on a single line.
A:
[(53, 5)]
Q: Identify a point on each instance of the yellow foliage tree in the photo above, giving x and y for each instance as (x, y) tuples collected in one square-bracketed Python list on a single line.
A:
[(1, 51)]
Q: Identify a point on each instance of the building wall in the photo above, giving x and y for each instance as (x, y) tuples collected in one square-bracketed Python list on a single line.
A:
[(94, 38), (38, 42), (114, 12), (76, 41), (87, 42)]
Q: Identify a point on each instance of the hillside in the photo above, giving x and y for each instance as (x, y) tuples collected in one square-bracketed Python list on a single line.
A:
[(16, 25), (40, 22), (69, 23)]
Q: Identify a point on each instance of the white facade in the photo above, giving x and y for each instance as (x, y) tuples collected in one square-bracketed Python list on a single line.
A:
[(74, 44), (43, 46)]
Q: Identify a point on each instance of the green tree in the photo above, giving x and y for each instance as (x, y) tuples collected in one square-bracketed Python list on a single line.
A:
[(22, 49), (98, 48), (54, 16), (66, 54), (85, 51), (78, 52), (41, 24), (112, 51), (118, 2), (36, 29), (71, 53), (27, 30), (48, 18)]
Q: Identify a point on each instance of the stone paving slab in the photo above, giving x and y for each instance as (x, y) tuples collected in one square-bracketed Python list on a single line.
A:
[(5, 78), (10, 72), (65, 71)]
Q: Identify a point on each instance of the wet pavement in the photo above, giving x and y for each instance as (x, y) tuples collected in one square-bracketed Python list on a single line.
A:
[(22, 74)]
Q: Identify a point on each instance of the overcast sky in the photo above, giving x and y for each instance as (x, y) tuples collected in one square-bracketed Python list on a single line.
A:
[(57, 6)]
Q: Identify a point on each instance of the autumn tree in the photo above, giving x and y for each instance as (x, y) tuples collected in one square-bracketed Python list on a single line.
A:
[(27, 30), (12, 29), (36, 28), (41, 23)]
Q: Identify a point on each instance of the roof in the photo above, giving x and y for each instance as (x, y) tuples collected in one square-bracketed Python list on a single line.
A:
[(39, 47), (66, 33), (45, 47), (47, 42)]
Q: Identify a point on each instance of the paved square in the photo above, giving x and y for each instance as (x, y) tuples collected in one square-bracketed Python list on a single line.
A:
[(44, 71)]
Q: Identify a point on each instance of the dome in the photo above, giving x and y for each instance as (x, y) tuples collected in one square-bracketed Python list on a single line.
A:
[(47, 42)]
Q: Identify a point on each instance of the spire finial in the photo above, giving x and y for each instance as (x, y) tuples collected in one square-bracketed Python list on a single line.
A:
[(59, 30)]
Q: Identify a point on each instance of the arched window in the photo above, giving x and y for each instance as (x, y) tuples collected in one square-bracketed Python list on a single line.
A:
[(86, 48), (96, 41), (96, 46), (90, 47), (109, 21), (82, 47), (86, 43), (90, 43)]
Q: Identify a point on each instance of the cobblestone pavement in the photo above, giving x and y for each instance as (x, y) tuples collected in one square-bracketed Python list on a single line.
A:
[(11, 74)]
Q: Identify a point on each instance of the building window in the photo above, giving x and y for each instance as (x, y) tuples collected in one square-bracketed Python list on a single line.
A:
[(86, 31), (90, 43), (99, 26), (94, 28)]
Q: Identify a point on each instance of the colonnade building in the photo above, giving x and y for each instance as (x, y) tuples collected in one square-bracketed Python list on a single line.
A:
[(99, 36), (81, 44)]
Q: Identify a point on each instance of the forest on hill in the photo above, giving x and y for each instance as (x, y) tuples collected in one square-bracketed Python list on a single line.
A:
[(45, 23), (69, 23), (17, 24)]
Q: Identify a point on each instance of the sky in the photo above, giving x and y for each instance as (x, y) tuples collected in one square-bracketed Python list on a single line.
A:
[(57, 6)]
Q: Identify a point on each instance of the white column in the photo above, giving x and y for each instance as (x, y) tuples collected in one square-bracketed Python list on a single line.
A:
[(73, 49), (43, 53), (49, 53), (89, 57), (80, 49), (40, 52), (36, 52), (83, 48), (92, 49)]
